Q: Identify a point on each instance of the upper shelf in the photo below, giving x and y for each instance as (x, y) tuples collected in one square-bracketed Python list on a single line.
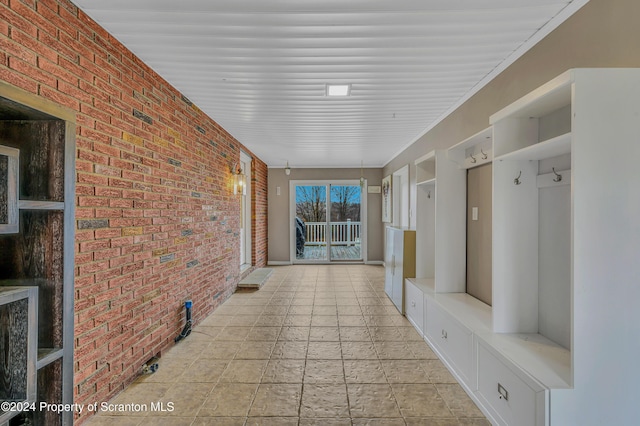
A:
[(553, 147), (473, 151), (549, 97)]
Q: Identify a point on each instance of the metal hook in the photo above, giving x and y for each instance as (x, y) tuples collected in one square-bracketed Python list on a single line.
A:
[(558, 177), (516, 181), (429, 194), (484, 156), (473, 159)]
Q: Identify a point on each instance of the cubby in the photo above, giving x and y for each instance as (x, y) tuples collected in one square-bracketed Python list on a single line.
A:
[(37, 222), (440, 250), (18, 346)]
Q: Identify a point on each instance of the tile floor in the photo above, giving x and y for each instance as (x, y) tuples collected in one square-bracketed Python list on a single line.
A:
[(316, 345)]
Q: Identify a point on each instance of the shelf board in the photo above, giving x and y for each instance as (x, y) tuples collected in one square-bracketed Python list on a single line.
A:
[(48, 355), (543, 359), (40, 205), (426, 182), (549, 97), (426, 285), (553, 147)]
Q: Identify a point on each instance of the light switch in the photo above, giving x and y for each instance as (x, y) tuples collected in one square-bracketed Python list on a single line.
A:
[(277, 190), (474, 213)]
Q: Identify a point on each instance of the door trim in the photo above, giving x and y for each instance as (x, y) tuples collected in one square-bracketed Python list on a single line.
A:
[(292, 215)]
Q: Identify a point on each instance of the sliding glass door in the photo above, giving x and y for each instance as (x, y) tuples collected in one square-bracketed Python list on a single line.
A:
[(327, 221)]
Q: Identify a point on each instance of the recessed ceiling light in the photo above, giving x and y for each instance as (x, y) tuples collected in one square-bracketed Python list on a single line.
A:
[(338, 89)]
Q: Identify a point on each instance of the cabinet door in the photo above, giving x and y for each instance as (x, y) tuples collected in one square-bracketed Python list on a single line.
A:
[(398, 270), (389, 259)]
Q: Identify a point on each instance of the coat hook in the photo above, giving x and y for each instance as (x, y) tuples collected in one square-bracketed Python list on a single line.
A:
[(429, 194), (516, 181), (558, 177), (484, 156), (473, 159)]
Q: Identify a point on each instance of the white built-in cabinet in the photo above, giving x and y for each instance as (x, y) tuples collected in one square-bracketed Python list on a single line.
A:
[(400, 263), (559, 345)]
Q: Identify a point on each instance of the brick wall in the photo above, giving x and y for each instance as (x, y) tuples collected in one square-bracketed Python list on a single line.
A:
[(157, 221)]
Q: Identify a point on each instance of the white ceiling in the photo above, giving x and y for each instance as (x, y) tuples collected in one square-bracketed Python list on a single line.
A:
[(260, 67)]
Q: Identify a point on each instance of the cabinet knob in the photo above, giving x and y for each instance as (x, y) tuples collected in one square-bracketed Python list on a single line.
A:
[(413, 304)]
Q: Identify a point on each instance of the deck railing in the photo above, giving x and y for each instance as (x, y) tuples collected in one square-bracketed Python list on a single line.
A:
[(342, 233)]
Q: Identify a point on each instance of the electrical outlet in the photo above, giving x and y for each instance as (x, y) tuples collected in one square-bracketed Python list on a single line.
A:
[(474, 213)]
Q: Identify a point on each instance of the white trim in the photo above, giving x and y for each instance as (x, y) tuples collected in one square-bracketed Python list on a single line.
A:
[(246, 230), (551, 25), (278, 262)]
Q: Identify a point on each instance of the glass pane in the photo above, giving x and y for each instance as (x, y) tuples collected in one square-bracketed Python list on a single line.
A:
[(345, 222), (310, 222)]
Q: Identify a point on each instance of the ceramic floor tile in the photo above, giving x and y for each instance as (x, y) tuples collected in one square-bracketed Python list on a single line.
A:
[(272, 421), (255, 350), (372, 400), (480, 421), (393, 350), (203, 370), (379, 422), (358, 350), (294, 333), (290, 350), (354, 334), (325, 422), (351, 321), (404, 371), (432, 421), (325, 310), (421, 350), (220, 350), (458, 401), (276, 400), (324, 350), (328, 401), (364, 371), (167, 367), (219, 421), (186, 398), (140, 393), (284, 371), (324, 371), (385, 334), (297, 320), (324, 334), (228, 400), (324, 321), (260, 333), (243, 371), (301, 310), (270, 320), (102, 420), (234, 334), (437, 372), (420, 400), (348, 310)]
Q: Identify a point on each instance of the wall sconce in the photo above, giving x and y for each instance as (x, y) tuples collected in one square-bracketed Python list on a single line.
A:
[(239, 180), (287, 170)]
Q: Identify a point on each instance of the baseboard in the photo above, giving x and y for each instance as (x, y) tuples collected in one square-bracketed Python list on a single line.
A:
[(374, 262), (278, 262)]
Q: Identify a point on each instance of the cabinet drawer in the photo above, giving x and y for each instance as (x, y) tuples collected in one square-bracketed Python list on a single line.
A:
[(452, 338), (507, 396), (414, 305)]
